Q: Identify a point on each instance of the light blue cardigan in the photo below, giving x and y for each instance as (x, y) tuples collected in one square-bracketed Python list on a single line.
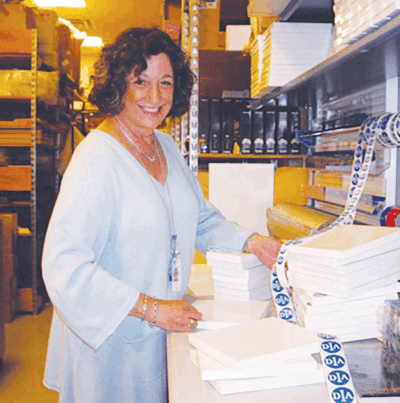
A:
[(109, 240)]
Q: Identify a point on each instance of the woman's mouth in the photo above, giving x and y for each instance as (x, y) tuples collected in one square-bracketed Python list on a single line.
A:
[(150, 110)]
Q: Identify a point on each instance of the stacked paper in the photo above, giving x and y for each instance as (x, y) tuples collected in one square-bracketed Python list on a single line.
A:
[(354, 20), (257, 52), (287, 50), (218, 314), (263, 354), (351, 319), (239, 276), (346, 261)]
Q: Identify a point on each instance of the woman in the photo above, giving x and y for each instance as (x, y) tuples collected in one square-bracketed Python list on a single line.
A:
[(120, 242)]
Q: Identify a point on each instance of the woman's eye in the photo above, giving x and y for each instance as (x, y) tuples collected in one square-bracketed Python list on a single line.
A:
[(139, 81), (167, 83)]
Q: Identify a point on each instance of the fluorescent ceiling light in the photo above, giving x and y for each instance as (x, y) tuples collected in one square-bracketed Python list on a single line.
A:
[(92, 42), (61, 3)]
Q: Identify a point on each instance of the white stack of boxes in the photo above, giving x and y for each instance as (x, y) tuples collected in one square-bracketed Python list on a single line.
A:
[(341, 277), (294, 48), (257, 50), (353, 20), (239, 276), (263, 354), (285, 51)]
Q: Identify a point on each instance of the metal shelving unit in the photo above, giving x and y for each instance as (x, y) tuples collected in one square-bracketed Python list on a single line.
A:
[(383, 34), (365, 77), (33, 223), (41, 153)]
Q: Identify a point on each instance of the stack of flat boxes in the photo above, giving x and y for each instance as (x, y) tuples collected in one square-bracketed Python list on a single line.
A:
[(341, 277), (239, 276), (355, 19)]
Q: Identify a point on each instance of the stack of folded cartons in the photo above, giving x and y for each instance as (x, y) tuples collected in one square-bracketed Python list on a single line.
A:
[(341, 277), (350, 319), (354, 20), (291, 49), (239, 276), (264, 354)]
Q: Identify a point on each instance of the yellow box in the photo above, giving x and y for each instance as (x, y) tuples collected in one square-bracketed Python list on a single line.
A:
[(291, 184)]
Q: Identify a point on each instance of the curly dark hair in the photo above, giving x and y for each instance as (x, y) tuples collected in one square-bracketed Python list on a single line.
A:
[(129, 53)]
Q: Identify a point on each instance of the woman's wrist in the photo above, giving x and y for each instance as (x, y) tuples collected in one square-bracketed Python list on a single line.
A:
[(251, 240), (146, 309)]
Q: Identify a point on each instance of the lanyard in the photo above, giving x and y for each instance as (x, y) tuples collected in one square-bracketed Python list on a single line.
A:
[(175, 260)]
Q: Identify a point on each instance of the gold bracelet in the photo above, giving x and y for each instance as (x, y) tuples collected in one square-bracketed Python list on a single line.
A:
[(145, 306), (155, 305)]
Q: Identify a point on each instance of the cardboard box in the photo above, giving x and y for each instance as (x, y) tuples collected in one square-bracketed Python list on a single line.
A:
[(25, 300), (16, 178), (13, 16), (8, 242), (15, 40)]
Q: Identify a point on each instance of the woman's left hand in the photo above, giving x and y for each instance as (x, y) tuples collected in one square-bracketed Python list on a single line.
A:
[(265, 248)]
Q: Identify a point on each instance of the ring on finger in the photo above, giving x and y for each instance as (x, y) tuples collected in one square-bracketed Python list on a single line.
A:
[(192, 322)]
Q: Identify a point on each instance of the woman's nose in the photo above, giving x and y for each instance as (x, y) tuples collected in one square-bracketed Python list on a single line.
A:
[(154, 93)]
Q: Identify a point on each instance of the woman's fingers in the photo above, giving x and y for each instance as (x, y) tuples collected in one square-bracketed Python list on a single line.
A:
[(266, 249), (177, 315)]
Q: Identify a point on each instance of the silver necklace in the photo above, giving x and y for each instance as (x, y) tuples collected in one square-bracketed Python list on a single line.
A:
[(151, 159)]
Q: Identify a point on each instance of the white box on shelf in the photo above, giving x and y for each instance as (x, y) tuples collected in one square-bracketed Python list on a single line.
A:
[(237, 37)]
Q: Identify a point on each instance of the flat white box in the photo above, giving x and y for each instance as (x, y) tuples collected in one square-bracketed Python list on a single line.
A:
[(297, 260), (218, 314), (263, 342), (349, 281), (243, 192), (211, 369), (347, 243), (251, 277), (260, 293), (259, 271), (246, 286), (318, 299), (318, 285), (237, 37), (237, 258), (273, 382)]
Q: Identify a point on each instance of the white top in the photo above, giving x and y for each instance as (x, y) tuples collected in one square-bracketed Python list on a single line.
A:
[(108, 240)]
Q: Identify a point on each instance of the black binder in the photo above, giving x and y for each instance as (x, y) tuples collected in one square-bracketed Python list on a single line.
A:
[(228, 111), (282, 132), (294, 125), (257, 131), (245, 132), (240, 104), (215, 144), (270, 131)]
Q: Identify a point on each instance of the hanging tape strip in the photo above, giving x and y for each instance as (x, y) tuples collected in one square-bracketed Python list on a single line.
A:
[(386, 129)]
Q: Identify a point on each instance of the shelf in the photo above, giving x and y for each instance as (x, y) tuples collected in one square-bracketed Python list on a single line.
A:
[(383, 33), (15, 204), (250, 156), (10, 61)]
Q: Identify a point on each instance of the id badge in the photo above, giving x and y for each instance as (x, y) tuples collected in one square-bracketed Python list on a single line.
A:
[(176, 272)]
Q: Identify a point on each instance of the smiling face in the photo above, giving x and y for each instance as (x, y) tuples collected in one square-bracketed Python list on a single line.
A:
[(148, 98)]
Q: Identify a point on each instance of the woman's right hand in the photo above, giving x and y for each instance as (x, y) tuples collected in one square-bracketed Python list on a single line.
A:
[(177, 315), (173, 315)]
